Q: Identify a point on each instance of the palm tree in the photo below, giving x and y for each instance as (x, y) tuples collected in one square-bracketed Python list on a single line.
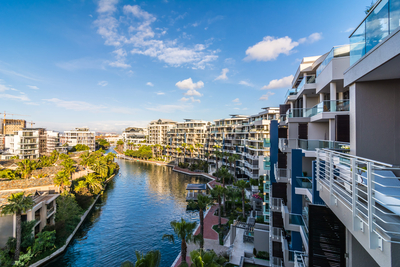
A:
[(62, 180), (184, 145), (218, 155), (26, 167), (232, 194), (216, 193), (17, 204), (236, 157), (69, 168), (94, 183), (168, 147), (207, 155), (242, 185), (100, 167), (150, 259), (202, 202), (178, 151), (202, 258), (198, 146), (191, 150), (184, 231), (231, 160)]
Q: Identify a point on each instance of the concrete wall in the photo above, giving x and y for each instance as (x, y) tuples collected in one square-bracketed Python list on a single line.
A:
[(375, 120), (333, 71), (318, 131), (312, 101), (6, 226), (261, 239), (307, 165), (357, 254)]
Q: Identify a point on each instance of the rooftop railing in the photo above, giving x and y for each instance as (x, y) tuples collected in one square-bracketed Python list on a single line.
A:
[(368, 189), (324, 106), (312, 145), (382, 20), (337, 51)]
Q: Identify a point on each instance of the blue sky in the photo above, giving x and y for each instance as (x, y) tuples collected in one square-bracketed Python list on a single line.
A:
[(111, 64)]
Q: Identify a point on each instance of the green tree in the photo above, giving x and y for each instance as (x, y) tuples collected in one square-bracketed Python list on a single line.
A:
[(198, 146), (18, 203), (184, 231), (94, 184), (62, 180), (69, 167), (68, 209), (100, 167), (178, 151), (217, 192), (150, 259), (201, 258), (202, 202), (25, 167), (242, 186), (184, 146), (191, 150), (236, 157)]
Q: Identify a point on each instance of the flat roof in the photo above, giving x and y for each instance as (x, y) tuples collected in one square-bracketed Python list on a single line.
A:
[(196, 187)]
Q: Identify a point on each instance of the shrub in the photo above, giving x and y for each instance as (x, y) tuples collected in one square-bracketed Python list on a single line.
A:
[(263, 255)]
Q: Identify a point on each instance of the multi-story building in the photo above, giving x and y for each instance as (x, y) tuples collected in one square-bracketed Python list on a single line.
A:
[(245, 136), (158, 131), (190, 132), (9, 126), (26, 143), (333, 193), (81, 136), (133, 136), (53, 143)]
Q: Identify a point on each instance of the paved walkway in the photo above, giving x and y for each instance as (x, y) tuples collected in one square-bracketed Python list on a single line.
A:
[(209, 221), (211, 184)]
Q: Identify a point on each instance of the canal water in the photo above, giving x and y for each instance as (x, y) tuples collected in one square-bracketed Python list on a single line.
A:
[(132, 215)]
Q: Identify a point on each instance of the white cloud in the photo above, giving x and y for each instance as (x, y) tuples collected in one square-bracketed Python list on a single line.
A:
[(270, 48), (120, 55), (5, 88), (246, 83), (236, 100), (266, 96), (21, 97), (34, 87), (223, 75), (171, 108), (141, 38), (185, 99), (193, 92), (349, 29), (160, 93), (82, 63), (189, 84), (279, 83), (314, 37), (13, 73), (150, 84), (76, 105), (103, 83)]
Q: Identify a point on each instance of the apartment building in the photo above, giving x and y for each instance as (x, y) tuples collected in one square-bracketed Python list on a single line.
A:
[(190, 132), (245, 136), (332, 195), (158, 131), (81, 136), (133, 136), (43, 212), (26, 143), (9, 126), (53, 143)]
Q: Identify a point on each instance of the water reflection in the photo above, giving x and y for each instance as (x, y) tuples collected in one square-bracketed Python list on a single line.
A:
[(133, 214)]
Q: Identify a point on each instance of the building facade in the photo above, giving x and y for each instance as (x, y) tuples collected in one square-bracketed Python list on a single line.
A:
[(81, 136), (158, 131), (133, 137), (9, 126)]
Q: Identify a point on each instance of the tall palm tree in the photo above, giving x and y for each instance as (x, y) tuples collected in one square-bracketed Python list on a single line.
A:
[(218, 155), (69, 168), (236, 157), (62, 180), (168, 147), (198, 146), (184, 231), (191, 150), (202, 202), (242, 186), (100, 167), (17, 204), (217, 193), (184, 145), (93, 182), (178, 151), (26, 167)]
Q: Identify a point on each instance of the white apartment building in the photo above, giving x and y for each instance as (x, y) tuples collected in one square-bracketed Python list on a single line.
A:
[(133, 136), (189, 132), (25, 143), (158, 131), (81, 136), (53, 142)]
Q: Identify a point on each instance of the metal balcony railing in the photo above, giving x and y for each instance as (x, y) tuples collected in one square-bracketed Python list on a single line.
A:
[(368, 189)]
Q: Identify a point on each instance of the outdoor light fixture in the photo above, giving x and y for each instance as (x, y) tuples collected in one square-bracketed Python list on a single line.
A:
[(264, 203)]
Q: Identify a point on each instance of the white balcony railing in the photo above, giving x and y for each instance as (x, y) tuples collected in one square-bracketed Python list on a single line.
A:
[(368, 189)]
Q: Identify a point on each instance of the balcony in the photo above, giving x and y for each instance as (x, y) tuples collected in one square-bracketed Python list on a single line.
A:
[(322, 107), (312, 145), (337, 51), (283, 144), (290, 94), (282, 175), (381, 21), (364, 194)]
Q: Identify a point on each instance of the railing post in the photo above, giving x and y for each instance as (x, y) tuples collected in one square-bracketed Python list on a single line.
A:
[(354, 198), (373, 238), (330, 178)]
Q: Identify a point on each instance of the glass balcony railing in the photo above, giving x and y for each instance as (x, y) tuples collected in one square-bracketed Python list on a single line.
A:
[(381, 21), (312, 145), (292, 91), (295, 112), (324, 106), (306, 80), (337, 51), (304, 182), (296, 219)]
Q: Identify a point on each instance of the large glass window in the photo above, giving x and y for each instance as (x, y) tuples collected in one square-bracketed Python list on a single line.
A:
[(377, 26), (394, 9)]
